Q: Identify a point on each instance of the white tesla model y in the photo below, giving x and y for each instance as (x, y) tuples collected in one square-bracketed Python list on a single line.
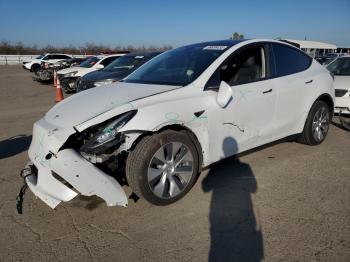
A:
[(184, 109)]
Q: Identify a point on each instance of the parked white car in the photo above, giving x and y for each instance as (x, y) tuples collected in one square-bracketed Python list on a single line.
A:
[(70, 76), (185, 109), (340, 68), (35, 64)]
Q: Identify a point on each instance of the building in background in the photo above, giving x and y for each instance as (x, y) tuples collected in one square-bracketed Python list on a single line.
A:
[(313, 48), (345, 50)]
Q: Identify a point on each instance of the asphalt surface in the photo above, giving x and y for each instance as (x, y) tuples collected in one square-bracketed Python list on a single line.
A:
[(286, 202)]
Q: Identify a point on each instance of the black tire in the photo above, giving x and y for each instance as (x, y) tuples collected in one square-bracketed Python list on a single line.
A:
[(35, 68), (308, 136), (139, 161)]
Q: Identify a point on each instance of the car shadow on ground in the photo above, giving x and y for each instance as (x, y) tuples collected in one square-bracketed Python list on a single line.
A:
[(14, 145), (235, 233), (345, 126)]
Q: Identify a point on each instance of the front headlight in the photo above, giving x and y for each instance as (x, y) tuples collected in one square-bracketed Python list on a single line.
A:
[(107, 135), (104, 82), (70, 74)]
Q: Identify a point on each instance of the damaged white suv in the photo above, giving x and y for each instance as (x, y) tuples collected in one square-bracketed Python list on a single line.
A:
[(182, 110)]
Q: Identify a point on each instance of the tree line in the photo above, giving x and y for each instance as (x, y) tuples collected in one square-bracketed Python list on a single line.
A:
[(8, 48)]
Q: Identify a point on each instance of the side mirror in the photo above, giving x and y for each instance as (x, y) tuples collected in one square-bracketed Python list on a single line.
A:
[(224, 94), (99, 66)]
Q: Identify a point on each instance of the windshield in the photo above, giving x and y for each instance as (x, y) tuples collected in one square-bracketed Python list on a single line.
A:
[(90, 62), (325, 60), (177, 67), (331, 55), (40, 56), (124, 63), (341, 66)]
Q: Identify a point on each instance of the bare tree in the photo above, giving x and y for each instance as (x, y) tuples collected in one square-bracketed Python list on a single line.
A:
[(6, 48)]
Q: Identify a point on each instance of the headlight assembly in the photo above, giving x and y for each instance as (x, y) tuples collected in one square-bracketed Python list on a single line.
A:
[(104, 82), (71, 74), (108, 135)]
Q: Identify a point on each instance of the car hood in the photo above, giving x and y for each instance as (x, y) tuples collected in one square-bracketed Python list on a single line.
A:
[(86, 105), (80, 70), (102, 75), (341, 82)]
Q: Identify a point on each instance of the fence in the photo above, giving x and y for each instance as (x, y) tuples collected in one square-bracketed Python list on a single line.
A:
[(19, 59)]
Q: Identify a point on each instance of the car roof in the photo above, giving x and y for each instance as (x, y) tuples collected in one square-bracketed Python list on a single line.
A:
[(147, 54), (57, 54), (104, 56), (227, 43)]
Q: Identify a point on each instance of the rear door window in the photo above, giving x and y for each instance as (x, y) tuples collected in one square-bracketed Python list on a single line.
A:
[(108, 60), (289, 60), (62, 57)]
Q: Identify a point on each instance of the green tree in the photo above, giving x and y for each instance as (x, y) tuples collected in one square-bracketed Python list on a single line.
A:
[(236, 35)]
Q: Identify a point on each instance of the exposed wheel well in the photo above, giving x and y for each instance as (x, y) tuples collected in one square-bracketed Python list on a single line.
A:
[(34, 66), (328, 100), (178, 128)]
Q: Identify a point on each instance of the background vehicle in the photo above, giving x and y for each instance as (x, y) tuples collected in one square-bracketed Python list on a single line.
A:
[(69, 76), (184, 109), (340, 68), (35, 64), (115, 71), (325, 60), (46, 72), (328, 58)]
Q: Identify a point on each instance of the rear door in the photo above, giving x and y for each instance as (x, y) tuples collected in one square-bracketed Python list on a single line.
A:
[(54, 58), (295, 87)]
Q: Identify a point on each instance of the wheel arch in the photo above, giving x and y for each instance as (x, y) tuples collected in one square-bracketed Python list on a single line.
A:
[(178, 128), (34, 65), (328, 100)]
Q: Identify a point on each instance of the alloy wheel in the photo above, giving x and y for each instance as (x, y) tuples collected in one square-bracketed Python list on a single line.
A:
[(320, 124), (170, 170)]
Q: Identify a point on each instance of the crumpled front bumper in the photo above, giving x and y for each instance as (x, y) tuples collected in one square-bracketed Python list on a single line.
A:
[(68, 84), (62, 176)]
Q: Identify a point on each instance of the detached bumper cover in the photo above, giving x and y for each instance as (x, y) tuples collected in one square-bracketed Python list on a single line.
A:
[(83, 176)]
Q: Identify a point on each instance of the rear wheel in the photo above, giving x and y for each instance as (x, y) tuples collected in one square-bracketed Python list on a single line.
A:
[(317, 124), (163, 167)]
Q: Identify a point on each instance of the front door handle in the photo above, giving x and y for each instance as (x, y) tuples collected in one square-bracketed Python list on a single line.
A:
[(267, 91), (309, 82)]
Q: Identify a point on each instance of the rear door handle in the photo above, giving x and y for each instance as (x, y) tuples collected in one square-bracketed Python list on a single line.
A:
[(309, 82), (267, 91)]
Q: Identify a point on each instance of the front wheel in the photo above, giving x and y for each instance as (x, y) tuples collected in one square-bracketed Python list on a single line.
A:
[(163, 167), (35, 68), (317, 124)]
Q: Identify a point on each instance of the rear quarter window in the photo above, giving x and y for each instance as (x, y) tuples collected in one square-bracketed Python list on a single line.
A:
[(289, 60)]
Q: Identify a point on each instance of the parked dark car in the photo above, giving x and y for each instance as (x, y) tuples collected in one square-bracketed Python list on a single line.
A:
[(115, 71)]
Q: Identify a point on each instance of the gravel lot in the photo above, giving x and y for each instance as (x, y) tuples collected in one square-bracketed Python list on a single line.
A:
[(286, 202)]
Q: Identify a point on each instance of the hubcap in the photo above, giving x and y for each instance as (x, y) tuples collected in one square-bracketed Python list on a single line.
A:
[(320, 124), (170, 170)]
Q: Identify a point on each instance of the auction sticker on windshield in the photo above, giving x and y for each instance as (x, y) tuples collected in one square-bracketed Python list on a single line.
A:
[(215, 47)]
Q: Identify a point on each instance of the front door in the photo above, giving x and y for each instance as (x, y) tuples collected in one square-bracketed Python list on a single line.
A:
[(247, 120)]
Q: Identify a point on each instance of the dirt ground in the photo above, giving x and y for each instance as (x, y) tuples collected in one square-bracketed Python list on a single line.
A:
[(286, 202)]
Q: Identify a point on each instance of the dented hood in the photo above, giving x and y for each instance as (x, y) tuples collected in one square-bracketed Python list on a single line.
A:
[(88, 104)]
